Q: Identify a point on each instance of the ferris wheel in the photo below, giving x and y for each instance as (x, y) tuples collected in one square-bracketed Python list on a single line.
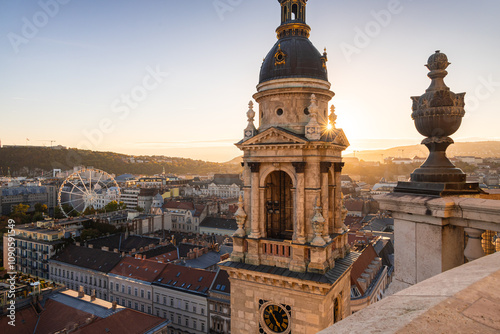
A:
[(87, 188)]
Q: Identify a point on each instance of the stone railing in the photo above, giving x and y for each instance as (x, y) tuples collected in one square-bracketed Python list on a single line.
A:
[(460, 300), (433, 234)]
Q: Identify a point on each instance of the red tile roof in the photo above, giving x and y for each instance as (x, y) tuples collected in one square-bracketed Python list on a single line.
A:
[(359, 267), (144, 270), (179, 205), (126, 321), (354, 205), (54, 317), (184, 278)]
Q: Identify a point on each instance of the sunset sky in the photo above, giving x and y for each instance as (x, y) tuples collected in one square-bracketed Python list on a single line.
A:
[(68, 70)]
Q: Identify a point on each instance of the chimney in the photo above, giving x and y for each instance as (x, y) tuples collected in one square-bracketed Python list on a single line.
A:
[(81, 291), (113, 305), (91, 246), (104, 248), (92, 296), (77, 243), (116, 250), (362, 284)]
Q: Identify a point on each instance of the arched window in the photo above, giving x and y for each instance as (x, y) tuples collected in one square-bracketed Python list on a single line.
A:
[(279, 206), (295, 12), (336, 311)]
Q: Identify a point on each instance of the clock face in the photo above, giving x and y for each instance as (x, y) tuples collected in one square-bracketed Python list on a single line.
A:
[(275, 317)]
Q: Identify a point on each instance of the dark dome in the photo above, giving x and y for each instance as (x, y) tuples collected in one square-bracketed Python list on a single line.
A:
[(302, 60)]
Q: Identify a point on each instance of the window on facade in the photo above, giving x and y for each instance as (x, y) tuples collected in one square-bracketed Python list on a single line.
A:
[(135, 291), (202, 310), (129, 290), (187, 306), (129, 304), (136, 306), (187, 322), (202, 326), (111, 298), (194, 309), (142, 293), (142, 307), (149, 294), (149, 310), (171, 301), (179, 319), (194, 324)]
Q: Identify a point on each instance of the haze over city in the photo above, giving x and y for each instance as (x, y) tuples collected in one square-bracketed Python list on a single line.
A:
[(175, 77)]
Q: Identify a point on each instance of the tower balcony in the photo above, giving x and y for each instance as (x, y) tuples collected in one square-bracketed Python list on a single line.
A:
[(289, 255)]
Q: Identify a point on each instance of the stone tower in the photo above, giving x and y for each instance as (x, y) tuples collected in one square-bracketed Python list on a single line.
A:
[(290, 266)]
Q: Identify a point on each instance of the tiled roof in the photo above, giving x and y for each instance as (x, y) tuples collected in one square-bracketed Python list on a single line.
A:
[(361, 264), (227, 179), (187, 279), (184, 249), (199, 208), (225, 224), (144, 270), (90, 258), (123, 244), (205, 261), (165, 253), (178, 205), (127, 321), (54, 317), (354, 205), (221, 283), (331, 277)]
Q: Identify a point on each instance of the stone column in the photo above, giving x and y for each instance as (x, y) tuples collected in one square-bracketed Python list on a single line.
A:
[(337, 205), (255, 230), (299, 228), (325, 168), (247, 195)]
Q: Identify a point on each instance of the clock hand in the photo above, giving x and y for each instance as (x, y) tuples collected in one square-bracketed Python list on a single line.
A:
[(277, 322)]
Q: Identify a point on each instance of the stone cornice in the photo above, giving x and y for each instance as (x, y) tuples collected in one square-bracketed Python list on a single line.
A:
[(277, 281)]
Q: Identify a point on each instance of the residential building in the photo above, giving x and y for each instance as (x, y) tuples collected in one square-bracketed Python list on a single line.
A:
[(130, 283), (37, 243), (219, 304), (186, 216), (224, 186), (84, 267), (180, 295), (368, 279), (129, 196), (69, 311), (31, 196)]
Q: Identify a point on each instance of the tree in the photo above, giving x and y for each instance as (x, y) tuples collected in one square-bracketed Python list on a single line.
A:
[(40, 207), (19, 213)]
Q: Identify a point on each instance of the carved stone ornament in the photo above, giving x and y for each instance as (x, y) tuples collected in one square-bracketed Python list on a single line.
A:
[(313, 129), (318, 225), (240, 216), (250, 130)]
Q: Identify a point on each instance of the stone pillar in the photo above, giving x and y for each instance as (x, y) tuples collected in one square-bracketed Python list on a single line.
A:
[(337, 205), (425, 243), (255, 169), (325, 168), (300, 230), (247, 196)]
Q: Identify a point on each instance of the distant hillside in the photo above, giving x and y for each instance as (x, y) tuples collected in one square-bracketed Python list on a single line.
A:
[(485, 149), (32, 161)]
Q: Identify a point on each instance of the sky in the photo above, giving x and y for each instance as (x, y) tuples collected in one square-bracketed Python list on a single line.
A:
[(165, 77)]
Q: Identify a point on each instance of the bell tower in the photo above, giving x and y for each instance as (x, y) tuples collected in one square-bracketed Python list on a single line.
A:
[(290, 266)]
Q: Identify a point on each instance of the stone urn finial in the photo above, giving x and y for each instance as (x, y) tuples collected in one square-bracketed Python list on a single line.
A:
[(332, 117), (241, 216), (437, 115), (318, 224)]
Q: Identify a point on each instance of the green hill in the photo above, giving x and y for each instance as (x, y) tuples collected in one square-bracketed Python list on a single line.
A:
[(33, 161)]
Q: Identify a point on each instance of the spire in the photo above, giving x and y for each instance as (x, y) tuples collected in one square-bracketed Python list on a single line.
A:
[(293, 19)]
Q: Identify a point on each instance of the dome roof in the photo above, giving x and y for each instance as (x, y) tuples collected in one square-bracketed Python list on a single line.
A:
[(293, 57)]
